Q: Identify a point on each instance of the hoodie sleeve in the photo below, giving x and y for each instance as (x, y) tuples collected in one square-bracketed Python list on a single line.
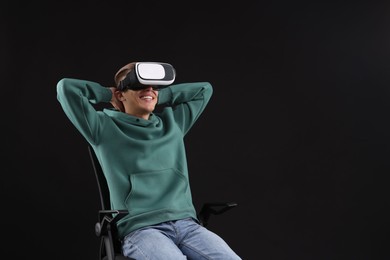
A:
[(77, 98), (188, 101)]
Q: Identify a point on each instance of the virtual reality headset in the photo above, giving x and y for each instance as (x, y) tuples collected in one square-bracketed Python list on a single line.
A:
[(156, 74)]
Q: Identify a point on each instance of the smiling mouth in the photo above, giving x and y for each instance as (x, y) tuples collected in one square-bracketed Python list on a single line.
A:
[(146, 97)]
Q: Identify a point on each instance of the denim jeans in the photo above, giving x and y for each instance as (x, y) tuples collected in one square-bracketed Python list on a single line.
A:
[(175, 240)]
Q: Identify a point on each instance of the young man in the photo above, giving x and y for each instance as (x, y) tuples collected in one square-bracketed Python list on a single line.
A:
[(143, 157)]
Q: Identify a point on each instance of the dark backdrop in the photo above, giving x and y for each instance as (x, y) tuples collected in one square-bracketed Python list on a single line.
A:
[(297, 132)]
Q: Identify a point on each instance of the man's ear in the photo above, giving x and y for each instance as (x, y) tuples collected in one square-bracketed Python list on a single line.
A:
[(119, 95)]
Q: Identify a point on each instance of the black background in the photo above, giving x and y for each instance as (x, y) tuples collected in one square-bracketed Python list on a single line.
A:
[(297, 131)]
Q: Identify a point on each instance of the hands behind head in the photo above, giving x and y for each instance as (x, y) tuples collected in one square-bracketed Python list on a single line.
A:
[(115, 100)]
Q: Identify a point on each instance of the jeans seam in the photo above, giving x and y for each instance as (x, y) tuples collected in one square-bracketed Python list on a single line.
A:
[(198, 252)]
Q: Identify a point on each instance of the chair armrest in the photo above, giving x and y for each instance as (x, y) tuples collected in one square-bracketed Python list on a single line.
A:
[(106, 219), (214, 208)]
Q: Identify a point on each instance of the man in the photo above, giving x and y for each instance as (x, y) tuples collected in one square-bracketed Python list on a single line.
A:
[(142, 154)]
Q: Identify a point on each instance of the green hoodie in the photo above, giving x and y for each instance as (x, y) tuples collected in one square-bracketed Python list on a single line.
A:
[(144, 161)]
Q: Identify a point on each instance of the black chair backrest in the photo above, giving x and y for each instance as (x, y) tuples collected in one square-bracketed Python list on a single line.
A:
[(104, 192), (105, 228)]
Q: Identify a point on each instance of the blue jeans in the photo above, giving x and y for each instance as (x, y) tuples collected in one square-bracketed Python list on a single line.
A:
[(181, 239)]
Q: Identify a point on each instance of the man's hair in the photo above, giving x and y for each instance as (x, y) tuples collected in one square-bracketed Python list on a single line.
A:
[(122, 72)]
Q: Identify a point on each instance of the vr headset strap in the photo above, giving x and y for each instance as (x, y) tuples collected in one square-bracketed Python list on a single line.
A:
[(129, 80)]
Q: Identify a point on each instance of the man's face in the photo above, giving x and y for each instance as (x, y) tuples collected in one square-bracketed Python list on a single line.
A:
[(141, 101)]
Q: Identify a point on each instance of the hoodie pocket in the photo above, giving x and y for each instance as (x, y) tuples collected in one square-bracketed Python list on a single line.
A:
[(157, 190)]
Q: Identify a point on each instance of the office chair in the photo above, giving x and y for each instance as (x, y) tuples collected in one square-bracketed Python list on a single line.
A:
[(105, 228)]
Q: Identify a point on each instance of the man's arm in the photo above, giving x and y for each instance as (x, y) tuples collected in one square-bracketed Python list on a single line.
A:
[(188, 101), (76, 98)]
